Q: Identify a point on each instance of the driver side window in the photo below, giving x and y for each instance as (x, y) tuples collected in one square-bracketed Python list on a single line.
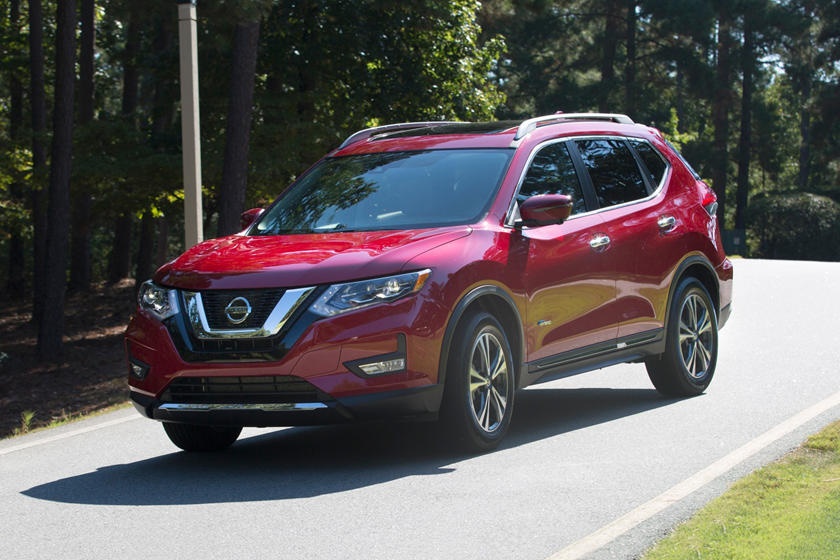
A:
[(552, 172)]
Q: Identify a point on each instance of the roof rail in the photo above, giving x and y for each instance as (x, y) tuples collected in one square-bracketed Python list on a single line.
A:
[(368, 132), (531, 124)]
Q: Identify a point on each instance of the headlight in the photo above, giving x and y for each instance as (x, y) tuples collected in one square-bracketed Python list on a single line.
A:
[(157, 300), (355, 295)]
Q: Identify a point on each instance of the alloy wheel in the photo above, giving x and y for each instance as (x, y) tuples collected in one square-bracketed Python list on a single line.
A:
[(489, 383), (696, 335)]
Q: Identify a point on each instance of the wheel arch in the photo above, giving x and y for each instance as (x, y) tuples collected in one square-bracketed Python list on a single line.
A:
[(701, 269), (500, 304), (670, 372)]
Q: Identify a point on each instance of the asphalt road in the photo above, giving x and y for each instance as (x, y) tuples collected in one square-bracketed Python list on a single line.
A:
[(595, 466)]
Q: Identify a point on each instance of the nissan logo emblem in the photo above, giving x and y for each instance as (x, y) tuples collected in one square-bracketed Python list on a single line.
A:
[(238, 310)]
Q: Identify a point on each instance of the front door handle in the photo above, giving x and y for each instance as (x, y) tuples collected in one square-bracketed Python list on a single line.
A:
[(599, 242)]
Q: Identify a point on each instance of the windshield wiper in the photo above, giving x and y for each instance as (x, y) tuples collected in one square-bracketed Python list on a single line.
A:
[(296, 231), (333, 227)]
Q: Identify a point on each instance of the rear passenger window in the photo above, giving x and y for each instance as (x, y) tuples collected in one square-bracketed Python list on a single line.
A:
[(653, 161), (552, 172), (615, 175)]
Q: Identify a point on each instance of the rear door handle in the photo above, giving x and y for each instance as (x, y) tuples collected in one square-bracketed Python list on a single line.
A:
[(599, 242), (666, 223)]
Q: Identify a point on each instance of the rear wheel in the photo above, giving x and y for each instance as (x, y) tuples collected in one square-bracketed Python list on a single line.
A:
[(190, 437), (478, 397), (688, 363)]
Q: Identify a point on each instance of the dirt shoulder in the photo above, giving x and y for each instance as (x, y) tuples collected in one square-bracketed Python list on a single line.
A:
[(91, 375)]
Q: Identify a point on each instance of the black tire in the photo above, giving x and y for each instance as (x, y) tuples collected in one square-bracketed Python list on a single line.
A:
[(480, 384), (190, 437), (688, 364)]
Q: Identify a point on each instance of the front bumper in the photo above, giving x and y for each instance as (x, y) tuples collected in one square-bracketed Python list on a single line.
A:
[(417, 403), (319, 376)]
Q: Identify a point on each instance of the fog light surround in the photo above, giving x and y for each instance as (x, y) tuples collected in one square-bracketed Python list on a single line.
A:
[(137, 369), (383, 364), (382, 367)]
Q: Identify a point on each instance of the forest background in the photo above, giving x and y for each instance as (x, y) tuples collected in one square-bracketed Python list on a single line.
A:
[(90, 165)]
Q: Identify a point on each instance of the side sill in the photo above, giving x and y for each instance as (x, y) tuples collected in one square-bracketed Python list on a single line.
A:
[(628, 349)]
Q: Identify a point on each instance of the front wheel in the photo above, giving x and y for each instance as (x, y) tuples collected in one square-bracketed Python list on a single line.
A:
[(190, 437), (688, 363), (480, 384)]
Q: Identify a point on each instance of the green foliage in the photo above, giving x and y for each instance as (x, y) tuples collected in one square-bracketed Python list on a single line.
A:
[(26, 418), (14, 172), (775, 140), (671, 130), (789, 509), (327, 69), (112, 155), (827, 440), (796, 226), (429, 63)]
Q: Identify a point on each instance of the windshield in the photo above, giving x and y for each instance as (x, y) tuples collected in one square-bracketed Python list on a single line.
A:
[(391, 190)]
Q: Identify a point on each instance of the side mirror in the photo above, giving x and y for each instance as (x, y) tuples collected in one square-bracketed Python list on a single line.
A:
[(248, 217), (545, 210)]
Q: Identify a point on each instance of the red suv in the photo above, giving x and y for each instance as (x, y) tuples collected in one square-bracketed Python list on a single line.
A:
[(428, 271)]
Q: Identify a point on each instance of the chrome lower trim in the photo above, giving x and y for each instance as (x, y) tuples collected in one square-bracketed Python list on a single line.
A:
[(288, 304), (264, 407), (134, 389)]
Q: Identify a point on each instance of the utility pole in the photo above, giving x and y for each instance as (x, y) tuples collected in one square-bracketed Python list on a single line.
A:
[(190, 133)]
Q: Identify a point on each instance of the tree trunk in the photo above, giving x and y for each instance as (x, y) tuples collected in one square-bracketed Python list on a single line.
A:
[(15, 87), (146, 248), (162, 249), (165, 88), (805, 137), (80, 255), (745, 141), (680, 94), (51, 328), (80, 258), (15, 284), (130, 71), (630, 68), (235, 168), (39, 155), (720, 112), (119, 262), (610, 45)]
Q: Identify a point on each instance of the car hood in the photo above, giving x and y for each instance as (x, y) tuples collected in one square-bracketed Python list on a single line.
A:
[(249, 262)]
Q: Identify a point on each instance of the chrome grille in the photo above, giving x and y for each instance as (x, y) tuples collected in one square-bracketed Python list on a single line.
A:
[(270, 309), (262, 303)]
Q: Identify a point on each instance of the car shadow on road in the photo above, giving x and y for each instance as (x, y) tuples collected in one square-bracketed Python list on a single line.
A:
[(306, 462)]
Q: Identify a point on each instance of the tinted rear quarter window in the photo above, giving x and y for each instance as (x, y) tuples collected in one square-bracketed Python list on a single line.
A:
[(615, 175), (652, 159)]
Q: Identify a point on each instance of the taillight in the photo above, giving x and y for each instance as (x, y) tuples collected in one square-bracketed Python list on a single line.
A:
[(709, 200)]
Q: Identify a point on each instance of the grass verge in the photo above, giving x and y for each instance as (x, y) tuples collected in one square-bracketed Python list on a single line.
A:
[(787, 510), (27, 416)]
